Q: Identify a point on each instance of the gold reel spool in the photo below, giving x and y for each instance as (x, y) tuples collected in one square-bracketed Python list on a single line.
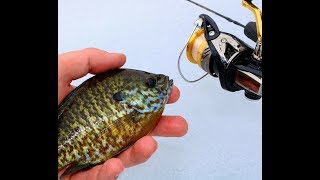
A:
[(195, 48)]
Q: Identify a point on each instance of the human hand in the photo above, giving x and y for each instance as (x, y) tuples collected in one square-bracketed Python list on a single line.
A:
[(76, 64)]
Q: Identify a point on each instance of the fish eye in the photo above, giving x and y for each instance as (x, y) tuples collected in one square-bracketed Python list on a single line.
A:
[(118, 96), (151, 82)]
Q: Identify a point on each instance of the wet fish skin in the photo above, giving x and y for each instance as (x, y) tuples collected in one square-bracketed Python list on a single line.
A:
[(108, 113)]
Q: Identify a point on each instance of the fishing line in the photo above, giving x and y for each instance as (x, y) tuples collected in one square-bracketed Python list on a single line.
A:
[(179, 59)]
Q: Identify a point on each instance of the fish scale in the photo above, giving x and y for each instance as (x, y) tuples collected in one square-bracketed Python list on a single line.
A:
[(94, 127)]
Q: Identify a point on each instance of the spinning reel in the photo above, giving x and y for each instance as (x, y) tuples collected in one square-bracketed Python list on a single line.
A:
[(222, 55)]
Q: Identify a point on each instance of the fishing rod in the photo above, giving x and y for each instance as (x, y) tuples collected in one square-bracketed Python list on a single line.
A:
[(218, 14), (223, 55)]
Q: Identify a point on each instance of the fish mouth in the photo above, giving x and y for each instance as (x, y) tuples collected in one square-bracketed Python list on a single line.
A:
[(169, 85), (166, 85), (171, 82)]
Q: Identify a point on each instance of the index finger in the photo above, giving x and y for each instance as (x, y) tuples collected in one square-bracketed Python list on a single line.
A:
[(76, 64), (175, 94)]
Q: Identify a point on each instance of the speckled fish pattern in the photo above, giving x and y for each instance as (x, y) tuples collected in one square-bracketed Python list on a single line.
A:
[(108, 113)]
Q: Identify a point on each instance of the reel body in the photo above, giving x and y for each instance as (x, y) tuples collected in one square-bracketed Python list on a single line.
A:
[(222, 55)]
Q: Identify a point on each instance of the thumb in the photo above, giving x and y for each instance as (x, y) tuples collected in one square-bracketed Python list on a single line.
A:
[(76, 64)]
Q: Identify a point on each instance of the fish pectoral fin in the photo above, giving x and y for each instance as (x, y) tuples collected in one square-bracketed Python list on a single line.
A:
[(77, 168)]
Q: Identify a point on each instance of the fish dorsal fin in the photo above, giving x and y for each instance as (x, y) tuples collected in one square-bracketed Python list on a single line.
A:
[(69, 99)]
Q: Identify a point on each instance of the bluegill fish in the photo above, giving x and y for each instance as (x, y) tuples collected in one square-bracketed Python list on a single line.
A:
[(108, 113)]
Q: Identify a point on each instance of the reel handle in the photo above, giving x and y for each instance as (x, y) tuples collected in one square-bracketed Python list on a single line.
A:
[(250, 31)]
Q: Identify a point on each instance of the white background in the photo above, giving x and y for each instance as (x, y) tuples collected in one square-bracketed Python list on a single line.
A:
[(225, 133)]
